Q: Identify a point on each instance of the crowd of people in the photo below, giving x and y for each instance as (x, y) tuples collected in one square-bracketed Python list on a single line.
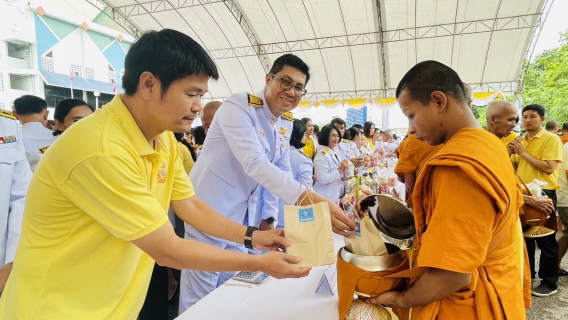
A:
[(112, 216)]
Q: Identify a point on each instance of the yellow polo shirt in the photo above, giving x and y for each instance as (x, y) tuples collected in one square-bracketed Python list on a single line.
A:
[(543, 146), (98, 187)]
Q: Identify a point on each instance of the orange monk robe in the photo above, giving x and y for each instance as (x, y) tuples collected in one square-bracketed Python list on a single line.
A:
[(466, 210), (400, 147), (564, 138), (414, 155)]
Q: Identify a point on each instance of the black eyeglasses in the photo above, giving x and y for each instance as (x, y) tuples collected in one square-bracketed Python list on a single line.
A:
[(287, 85)]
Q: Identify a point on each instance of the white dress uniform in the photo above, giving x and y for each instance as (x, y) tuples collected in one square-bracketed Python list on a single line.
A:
[(329, 181), (344, 148), (243, 169), (36, 136), (15, 176), (302, 169)]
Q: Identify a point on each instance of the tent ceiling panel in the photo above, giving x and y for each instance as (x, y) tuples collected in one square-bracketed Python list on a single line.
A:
[(484, 40), (359, 16), (263, 20)]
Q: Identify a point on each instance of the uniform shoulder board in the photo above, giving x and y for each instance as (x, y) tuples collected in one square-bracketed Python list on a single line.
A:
[(325, 151), (345, 141), (255, 101), (7, 114), (288, 116), (43, 149)]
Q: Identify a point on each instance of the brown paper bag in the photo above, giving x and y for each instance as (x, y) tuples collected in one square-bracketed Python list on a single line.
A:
[(367, 241), (309, 230)]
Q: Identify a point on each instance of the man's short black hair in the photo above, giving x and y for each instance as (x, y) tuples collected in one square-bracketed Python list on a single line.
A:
[(64, 107), (169, 55), (367, 129), (429, 76), (535, 107), (358, 126), (198, 134), (565, 126), (338, 121), (323, 138), (29, 104), (353, 133), (292, 61), (298, 132)]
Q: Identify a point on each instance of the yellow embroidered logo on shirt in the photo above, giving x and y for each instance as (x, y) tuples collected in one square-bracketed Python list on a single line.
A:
[(7, 114), (162, 173), (288, 116), (255, 101), (283, 130)]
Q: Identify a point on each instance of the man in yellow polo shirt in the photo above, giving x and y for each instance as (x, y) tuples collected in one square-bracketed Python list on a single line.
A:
[(537, 156), (96, 216)]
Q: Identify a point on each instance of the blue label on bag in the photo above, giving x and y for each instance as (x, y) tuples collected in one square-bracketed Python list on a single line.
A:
[(306, 215), (358, 232)]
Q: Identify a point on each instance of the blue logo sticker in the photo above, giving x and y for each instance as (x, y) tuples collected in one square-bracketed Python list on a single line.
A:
[(306, 215), (358, 232)]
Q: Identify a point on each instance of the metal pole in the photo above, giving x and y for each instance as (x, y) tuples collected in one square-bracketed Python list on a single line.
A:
[(96, 103)]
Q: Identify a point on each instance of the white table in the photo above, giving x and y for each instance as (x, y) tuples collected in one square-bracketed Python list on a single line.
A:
[(286, 299)]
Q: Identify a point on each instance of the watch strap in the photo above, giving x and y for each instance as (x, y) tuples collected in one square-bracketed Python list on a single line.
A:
[(248, 237)]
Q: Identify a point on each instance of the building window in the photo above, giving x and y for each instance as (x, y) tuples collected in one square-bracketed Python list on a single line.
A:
[(47, 64), (90, 73), (112, 77), (76, 71), (1, 82)]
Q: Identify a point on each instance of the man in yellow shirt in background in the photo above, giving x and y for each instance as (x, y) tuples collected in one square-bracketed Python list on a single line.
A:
[(537, 156), (96, 217)]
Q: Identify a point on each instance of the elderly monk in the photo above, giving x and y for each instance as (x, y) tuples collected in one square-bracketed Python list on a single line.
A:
[(502, 118), (466, 208)]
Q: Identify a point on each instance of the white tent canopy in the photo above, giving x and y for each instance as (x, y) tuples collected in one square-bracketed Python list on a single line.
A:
[(355, 48)]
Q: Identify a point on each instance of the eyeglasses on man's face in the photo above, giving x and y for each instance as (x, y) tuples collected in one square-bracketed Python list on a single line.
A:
[(286, 84)]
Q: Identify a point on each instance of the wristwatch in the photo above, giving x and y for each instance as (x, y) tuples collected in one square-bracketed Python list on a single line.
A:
[(248, 237)]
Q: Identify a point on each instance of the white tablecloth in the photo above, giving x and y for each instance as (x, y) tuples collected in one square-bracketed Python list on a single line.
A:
[(286, 299)]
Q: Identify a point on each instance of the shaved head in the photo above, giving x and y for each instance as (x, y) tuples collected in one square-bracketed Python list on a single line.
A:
[(208, 113), (502, 118)]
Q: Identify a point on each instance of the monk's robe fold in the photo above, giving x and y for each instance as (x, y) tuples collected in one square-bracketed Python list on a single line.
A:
[(466, 205), (564, 138)]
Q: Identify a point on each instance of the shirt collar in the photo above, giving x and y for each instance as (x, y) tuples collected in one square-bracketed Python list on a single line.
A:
[(131, 127), (537, 135), (274, 121)]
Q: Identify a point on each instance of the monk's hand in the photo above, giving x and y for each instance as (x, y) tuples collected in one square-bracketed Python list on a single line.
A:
[(281, 265), (510, 149), (543, 204), (269, 240), (387, 299), (517, 147)]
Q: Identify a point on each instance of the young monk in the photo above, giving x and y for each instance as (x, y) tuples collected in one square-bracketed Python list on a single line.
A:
[(465, 207)]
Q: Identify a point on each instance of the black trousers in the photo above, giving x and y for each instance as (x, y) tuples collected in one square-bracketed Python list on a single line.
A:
[(156, 304), (548, 267)]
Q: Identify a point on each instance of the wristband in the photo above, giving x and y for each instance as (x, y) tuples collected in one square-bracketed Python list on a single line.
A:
[(248, 237)]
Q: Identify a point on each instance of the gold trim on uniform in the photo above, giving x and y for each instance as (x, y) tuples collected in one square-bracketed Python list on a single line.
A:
[(283, 130), (7, 114), (43, 149), (325, 151), (288, 116), (255, 101)]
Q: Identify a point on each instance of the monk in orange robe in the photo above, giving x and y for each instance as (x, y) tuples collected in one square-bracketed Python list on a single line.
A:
[(466, 205), (564, 136), (502, 117), (411, 160)]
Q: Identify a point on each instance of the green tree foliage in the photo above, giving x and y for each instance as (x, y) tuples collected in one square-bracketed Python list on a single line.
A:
[(546, 82)]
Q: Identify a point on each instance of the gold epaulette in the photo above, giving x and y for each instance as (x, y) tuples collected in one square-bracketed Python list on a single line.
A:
[(325, 151), (7, 114), (43, 149), (255, 101), (345, 140), (288, 116)]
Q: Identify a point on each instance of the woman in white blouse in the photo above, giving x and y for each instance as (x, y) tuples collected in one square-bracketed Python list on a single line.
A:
[(328, 165)]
